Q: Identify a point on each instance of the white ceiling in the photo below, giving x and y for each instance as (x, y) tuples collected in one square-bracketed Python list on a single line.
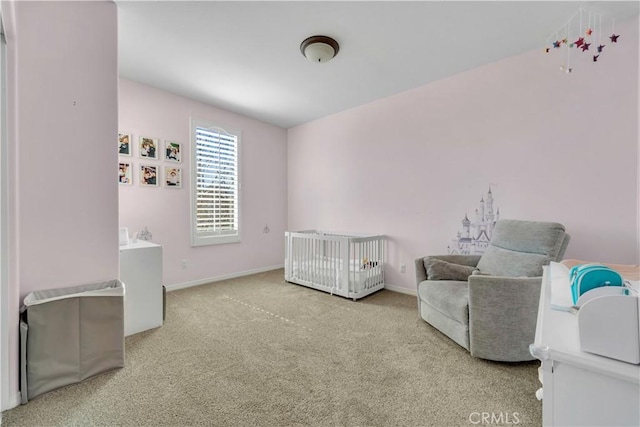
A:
[(245, 57)]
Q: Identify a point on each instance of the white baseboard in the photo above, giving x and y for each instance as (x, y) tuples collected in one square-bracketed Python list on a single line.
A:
[(184, 285), (14, 401), (400, 289)]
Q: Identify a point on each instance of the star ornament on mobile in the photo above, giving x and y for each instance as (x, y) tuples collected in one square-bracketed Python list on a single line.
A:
[(586, 28)]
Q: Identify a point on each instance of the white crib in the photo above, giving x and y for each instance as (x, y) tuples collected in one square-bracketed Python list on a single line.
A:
[(349, 266)]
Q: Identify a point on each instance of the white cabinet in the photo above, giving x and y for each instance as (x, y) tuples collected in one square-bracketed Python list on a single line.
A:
[(141, 273), (579, 388)]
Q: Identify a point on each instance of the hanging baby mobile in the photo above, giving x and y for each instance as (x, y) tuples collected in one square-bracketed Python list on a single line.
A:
[(582, 35)]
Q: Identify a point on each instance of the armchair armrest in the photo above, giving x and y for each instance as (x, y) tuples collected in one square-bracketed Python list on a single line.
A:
[(421, 270), (502, 316)]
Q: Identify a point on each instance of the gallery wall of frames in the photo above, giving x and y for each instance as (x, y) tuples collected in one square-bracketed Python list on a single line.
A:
[(157, 162)]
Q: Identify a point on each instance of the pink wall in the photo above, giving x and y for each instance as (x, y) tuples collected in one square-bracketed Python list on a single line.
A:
[(151, 112), (62, 119), (553, 147)]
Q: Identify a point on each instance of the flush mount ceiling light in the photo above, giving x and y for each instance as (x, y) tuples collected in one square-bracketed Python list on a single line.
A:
[(319, 48)]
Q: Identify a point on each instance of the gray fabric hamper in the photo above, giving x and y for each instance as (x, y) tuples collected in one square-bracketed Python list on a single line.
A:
[(71, 334)]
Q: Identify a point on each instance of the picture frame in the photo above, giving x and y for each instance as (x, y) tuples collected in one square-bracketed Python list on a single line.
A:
[(148, 175), (125, 173), (123, 236), (148, 147), (125, 143), (172, 151), (172, 177)]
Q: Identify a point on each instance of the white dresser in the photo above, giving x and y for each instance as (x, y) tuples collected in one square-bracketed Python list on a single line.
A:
[(141, 273), (579, 388)]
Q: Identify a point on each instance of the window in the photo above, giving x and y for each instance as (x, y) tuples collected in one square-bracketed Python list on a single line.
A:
[(215, 185)]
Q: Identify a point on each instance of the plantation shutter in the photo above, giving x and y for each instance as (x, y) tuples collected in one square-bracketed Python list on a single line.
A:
[(216, 191)]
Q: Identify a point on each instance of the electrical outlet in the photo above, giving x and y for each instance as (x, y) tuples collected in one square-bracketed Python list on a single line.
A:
[(185, 264), (403, 268)]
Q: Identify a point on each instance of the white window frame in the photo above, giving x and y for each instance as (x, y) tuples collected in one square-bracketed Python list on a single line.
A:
[(7, 401), (213, 238)]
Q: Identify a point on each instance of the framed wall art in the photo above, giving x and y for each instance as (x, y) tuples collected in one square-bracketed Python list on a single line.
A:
[(172, 151), (124, 144), (124, 173), (148, 147), (148, 175), (172, 177)]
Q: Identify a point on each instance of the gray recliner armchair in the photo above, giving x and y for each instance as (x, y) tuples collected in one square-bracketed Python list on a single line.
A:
[(489, 303)]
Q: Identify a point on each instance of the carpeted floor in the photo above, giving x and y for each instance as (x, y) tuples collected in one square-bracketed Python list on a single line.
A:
[(257, 351)]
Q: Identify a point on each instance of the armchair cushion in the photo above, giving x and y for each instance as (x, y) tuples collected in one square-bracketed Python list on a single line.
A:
[(521, 248), (442, 270), (503, 262), (450, 298)]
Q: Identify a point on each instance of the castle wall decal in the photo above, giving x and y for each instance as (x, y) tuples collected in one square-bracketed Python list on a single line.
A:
[(476, 235)]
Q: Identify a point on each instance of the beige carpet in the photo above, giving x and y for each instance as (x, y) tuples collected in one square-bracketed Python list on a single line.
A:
[(258, 351)]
